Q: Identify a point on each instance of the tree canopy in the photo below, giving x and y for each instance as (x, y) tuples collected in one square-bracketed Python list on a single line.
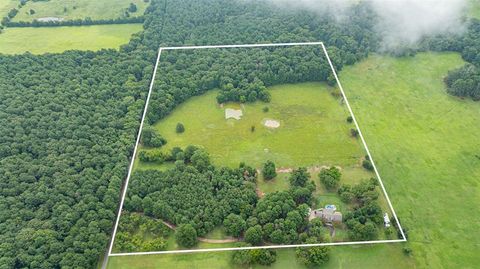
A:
[(69, 122)]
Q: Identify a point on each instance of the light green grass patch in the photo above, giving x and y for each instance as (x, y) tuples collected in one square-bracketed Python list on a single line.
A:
[(59, 39), (313, 129), (79, 9), (279, 183), (361, 257), (217, 233), (425, 144), (6, 6)]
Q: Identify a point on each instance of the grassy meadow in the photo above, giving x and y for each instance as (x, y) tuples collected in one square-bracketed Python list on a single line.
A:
[(59, 39), (313, 129), (426, 147), (6, 6), (79, 9)]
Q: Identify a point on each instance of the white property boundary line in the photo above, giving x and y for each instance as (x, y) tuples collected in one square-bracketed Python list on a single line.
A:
[(125, 188)]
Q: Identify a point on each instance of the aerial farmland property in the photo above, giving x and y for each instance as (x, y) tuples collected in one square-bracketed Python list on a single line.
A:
[(239, 134), (251, 132)]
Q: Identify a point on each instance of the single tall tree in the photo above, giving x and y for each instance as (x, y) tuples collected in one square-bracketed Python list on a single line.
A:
[(269, 170)]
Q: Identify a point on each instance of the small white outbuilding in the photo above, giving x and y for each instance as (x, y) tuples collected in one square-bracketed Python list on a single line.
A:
[(386, 220)]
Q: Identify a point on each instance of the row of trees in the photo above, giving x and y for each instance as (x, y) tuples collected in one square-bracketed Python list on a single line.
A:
[(76, 22)]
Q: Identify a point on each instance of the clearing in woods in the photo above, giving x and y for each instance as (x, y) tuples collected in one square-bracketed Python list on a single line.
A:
[(79, 9), (38, 40), (283, 107)]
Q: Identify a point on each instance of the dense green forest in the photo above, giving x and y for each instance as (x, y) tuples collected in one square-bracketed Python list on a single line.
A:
[(69, 120)]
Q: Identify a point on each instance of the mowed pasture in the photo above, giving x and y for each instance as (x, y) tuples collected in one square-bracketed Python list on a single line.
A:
[(313, 129), (6, 6), (79, 9), (59, 39), (426, 146)]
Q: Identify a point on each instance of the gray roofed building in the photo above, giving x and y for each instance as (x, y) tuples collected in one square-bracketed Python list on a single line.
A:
[(327, 214)]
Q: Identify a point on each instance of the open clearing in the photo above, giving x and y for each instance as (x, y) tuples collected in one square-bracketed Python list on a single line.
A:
[(59, 39), (426, 146), (79, 9), (313, 129), (424, 142)]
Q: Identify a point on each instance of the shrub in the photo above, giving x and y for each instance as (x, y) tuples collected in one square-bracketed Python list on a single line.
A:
[(264, 256), (151, 139), (132, 8), (186, 235), (247, 257), (269, 170), (234, 225), (180, 128), (313, 256), (200, 160), (407, 251), (151, 156), (253, 235), (299, 177), (265, 109), (367, 165), (349, 119), (330, 177), (354, 132)]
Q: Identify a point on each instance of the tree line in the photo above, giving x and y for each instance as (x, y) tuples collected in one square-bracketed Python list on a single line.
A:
[(76, 22)]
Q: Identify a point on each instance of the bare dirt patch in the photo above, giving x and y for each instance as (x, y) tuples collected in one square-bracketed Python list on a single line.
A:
[(231, 113), (269, 123)]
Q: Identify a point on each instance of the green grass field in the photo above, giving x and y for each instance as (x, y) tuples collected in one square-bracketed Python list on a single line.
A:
[(361, 257), (79, 9), (6, 6), (474, 9), (313, 129), (59, 39), (426, 146)]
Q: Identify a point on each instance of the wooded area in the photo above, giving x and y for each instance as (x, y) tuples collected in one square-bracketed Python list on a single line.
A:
[(69, 122)]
